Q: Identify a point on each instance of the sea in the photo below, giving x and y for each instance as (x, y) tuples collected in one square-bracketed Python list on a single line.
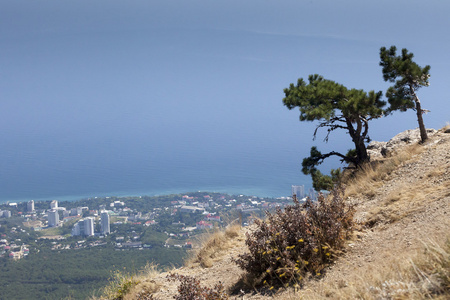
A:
[(65, 169)]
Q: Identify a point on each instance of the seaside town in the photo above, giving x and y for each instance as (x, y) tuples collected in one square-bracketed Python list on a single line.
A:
[(125, 223)]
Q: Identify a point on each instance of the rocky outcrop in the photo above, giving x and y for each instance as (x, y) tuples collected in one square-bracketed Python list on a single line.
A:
[(378, 150)]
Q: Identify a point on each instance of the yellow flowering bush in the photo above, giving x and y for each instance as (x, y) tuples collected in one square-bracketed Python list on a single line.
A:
[(296, 241)]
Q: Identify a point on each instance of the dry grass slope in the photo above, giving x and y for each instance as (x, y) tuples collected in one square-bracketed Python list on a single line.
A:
[(125, 286), (213, 245)]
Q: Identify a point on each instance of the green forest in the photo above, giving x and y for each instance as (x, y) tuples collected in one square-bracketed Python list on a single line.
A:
[(75, 274)]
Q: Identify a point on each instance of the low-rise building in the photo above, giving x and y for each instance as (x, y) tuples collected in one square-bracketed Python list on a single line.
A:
[(191, 209), (132, 245), (204, 225), (211, 217)]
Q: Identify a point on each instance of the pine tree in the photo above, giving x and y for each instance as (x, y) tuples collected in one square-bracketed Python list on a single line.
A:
[(336, 107), (408, 77)]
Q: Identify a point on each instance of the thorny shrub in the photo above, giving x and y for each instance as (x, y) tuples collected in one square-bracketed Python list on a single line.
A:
[(190, 289), (298, 241)]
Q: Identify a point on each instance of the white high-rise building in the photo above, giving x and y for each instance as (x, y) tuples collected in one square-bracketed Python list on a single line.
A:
[(299, 191), (76, 211), (30, 206), (76, 229), (54, 204), (89, 226), (53, 218), (106, 229)]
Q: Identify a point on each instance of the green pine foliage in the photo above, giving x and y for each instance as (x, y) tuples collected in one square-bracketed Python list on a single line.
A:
[(297, 242), (320, 181), (408, 77), (325, 182), (323, 99), (335, 107)]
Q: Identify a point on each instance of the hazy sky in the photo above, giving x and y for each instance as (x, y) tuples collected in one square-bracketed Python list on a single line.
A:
[(109, 74)]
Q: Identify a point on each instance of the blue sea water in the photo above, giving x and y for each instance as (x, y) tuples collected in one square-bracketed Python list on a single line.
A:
[(71, 168)]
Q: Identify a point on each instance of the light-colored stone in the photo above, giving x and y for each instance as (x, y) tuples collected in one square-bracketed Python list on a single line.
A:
[(377, 150)]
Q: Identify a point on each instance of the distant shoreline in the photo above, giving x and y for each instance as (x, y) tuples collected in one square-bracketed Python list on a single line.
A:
[(248, 192)]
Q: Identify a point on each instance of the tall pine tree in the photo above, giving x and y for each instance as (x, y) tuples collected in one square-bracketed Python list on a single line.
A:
[(408, 77)]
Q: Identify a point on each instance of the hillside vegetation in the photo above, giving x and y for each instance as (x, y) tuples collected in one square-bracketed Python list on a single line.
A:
[(399, 247)]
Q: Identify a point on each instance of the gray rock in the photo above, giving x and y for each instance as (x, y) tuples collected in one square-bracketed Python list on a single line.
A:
[(374, 145), (408, 137), (376, 149)]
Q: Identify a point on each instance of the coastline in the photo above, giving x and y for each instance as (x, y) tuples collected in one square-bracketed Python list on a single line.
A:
[(249, 191)]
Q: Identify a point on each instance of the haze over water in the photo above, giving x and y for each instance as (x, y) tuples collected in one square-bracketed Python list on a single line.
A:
[(114, 98), (79, 172)]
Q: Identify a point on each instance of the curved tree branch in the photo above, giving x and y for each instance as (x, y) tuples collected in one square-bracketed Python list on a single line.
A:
[(316, 158)]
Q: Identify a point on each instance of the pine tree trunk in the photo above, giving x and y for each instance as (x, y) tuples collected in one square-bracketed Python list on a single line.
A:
[(419, 112), (358, 140), (423, 131), (361, 152)]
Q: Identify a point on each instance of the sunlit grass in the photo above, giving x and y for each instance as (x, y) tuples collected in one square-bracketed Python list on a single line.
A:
[(212, 244), (124, 285)]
